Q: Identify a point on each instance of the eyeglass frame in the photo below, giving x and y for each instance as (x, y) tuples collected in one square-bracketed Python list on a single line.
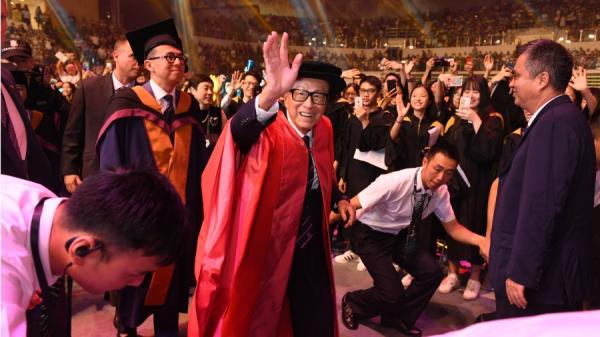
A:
[(370, 91), (311, 95), (182, 58)]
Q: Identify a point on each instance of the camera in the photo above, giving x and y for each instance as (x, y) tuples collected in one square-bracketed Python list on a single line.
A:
[(441, 62)]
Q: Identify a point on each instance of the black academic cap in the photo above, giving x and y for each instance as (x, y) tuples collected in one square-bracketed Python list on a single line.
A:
[(145, 39), (16, 48), (323, 71)]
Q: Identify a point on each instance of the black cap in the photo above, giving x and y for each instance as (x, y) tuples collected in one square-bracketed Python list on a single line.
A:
[(16, 48), (145, 39), (323, 71)]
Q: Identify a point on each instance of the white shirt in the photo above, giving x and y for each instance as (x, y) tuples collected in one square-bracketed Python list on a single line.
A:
[(540, 109), (19, 280), (117, 84), (16, 122), (387, 203), (263, 116), (159, 94)]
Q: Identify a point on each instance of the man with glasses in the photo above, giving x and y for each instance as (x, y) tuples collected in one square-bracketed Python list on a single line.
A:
[(367, 130), (262, 263), (157, 126), (250, 83)]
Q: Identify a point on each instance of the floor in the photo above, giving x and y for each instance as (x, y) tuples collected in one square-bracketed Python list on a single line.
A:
[(446, 312)]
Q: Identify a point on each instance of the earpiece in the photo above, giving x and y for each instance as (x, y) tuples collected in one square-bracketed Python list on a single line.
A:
[(83, 251)]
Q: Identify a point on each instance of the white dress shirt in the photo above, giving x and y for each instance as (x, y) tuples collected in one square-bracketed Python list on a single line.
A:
[(117, 84), (159, 94), (540, 109), (387, 203), (263, 116), (19, 279)]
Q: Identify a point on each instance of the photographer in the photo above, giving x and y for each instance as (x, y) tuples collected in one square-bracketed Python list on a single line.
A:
[(48, 108)]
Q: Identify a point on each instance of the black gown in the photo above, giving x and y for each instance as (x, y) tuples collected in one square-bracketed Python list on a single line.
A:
[(359, 174), (478, 156)]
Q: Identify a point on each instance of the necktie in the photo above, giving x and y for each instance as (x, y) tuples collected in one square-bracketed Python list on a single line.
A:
[(411, 235), (305, 231), (170, 110)]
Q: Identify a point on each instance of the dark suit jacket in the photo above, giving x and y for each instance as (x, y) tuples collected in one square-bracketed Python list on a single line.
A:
[(543, 217), (36, 168), (86, 117)]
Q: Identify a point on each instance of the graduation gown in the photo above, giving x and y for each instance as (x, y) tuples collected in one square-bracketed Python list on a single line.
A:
[(408, 150), (135, 134), (478, 155), (359, 174), (247, 244)]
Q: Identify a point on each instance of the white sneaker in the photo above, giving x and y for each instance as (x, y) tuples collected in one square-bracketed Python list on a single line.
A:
[(361, 266), (449, 283), (396, 266), (348, 256), (472, 290), (407, 280)]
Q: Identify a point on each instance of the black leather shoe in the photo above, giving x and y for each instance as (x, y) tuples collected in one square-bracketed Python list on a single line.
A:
[(413, 332), (349, 319)]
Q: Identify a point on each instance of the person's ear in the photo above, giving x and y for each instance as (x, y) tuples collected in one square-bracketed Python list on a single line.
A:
[(424, 162), (80, 247), (148, 65), (193, 91), (543, 79)]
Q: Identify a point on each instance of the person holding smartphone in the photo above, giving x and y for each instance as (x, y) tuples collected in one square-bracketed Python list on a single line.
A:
[(477, 132)]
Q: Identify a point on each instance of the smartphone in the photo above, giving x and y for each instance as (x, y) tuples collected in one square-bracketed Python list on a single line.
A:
[(358, 102), (86, 66), (61, 56), (465, 103), (391, 85), (456, 81)]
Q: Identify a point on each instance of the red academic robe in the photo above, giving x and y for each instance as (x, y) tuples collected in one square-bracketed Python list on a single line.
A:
[(246, 244)]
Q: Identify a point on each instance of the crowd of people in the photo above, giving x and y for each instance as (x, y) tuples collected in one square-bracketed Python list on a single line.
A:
[(384, 167)]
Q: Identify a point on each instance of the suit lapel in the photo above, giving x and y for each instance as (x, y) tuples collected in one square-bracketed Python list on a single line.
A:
[(556, 101)]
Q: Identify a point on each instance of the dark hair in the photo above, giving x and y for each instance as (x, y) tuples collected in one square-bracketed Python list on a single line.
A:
[(131, 210), (551, 57), (372, 80), (430, 112), (351, 85), (199, 78), (253, 74), (444, 147), (480, 84)]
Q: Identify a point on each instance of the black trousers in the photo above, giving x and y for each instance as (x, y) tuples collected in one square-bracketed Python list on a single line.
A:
[(309, 286), (388, 297), (506, 310)]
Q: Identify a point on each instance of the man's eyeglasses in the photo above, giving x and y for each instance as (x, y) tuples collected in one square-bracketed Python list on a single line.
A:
[(170, 57), (367, 91), (301, 95)]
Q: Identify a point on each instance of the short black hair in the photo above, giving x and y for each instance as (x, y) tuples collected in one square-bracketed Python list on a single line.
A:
[(551, 57), (199, 78), (131, 210), (253, 74), (372, 80), (444, 147)]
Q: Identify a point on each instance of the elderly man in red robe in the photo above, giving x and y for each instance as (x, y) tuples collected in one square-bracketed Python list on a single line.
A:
[(263, 261)]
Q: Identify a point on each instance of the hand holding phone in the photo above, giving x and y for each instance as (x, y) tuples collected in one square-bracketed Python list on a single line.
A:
[(465, 103)]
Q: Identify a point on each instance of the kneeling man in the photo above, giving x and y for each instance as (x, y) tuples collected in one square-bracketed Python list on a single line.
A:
[(390, 211)]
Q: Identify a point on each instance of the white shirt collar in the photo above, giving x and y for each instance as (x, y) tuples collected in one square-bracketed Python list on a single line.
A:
[(46, 219), (420, 187), (309, 133), (117, 84), (159, 93), (540, 109)]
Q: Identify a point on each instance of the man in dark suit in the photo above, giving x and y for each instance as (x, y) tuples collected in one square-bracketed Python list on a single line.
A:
[(87, 114), (540, 241), (22, 155)]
